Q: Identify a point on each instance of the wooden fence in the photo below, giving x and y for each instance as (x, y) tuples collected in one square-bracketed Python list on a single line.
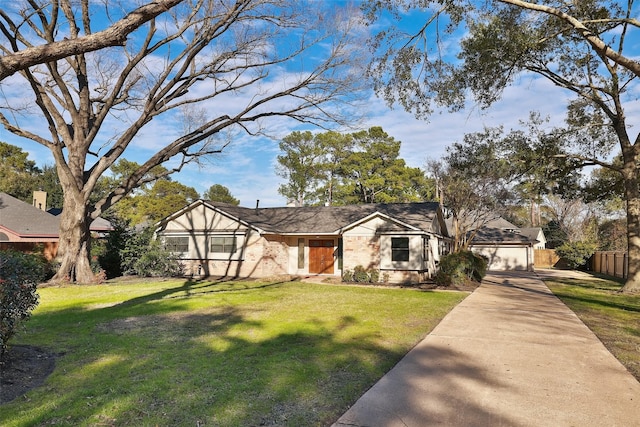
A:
[(545, 258), (611, 263)]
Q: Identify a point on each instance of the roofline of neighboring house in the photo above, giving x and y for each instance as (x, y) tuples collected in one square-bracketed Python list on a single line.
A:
[(30, 235), (503, 243)]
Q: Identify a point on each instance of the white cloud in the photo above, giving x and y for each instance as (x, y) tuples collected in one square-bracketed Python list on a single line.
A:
[(422, 140)]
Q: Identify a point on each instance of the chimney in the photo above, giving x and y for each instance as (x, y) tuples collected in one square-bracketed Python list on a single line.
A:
[(257, 204), (40, 200)]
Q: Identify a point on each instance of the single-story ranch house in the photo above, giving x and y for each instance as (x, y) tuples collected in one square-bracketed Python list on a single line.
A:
[(403, 242)]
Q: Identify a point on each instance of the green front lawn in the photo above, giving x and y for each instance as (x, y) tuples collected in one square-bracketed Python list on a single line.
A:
[(612, 316), (172, 353)]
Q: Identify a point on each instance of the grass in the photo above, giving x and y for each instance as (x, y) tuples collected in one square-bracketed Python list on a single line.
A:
[(614, 317), (173, 353)]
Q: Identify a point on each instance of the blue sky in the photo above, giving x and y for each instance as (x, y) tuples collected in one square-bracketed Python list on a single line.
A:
[(247, 167)]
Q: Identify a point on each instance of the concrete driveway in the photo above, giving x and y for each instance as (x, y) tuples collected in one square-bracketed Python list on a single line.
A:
[(510, 354)]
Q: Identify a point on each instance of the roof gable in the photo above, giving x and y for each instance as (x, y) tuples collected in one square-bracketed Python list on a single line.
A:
[(534, 233), (195, 216), (387, 224)]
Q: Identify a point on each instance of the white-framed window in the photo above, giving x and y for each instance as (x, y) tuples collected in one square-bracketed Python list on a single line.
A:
[(399, 249), (177, 244), (223, 244)]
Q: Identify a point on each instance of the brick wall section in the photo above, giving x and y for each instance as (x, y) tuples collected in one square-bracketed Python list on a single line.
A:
[(262, 258), (275, 259), (395, 276), (361, 250), (48, 249)]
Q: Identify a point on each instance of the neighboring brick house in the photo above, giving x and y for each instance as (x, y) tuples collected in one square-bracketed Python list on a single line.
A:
[(401, 241), (27, 228)]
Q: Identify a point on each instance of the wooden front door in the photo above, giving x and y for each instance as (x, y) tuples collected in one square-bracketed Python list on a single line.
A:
[(321, 256)]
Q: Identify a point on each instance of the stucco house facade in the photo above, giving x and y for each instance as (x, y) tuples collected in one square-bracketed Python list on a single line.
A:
[(403, 242)]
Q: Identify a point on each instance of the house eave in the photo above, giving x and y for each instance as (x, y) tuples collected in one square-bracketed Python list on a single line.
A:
[(382, 215), (304, 233)]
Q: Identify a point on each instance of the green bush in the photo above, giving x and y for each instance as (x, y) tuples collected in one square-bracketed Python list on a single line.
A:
[(460, 267), (361, 275), (347, 276), (375, 276), (136, 243), (576, 254), (20, 274), (108, 251), (158, 262)]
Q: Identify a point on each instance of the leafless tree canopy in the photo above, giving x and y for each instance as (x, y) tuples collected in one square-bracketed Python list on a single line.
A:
[(208, 65)]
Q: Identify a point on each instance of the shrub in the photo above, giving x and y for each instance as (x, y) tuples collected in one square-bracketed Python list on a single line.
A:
[(360, 275), (347, 276), (19, 276), (136, 244), (576, 253), (460, 267), (108, 251), (158, 262), (375, 276)]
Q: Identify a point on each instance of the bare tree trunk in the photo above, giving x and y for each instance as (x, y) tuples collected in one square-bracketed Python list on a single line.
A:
[(632, 193), (632, 285), (75, 243)]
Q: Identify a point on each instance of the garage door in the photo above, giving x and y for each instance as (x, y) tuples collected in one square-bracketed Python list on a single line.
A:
[(501, 258)]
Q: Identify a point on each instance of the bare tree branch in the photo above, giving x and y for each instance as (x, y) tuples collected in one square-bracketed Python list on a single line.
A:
[(116, 35)]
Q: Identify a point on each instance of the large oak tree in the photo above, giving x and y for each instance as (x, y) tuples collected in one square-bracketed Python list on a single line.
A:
[(583, 47), (213, 66)]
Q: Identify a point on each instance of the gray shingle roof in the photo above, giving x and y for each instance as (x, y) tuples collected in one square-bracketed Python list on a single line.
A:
[(330, 219), (99, 224), (26, 220), (531, 232), (499, 235)]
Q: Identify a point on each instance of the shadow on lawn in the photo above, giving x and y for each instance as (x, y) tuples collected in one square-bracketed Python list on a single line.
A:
[(196, 369), (141, 363), (200, 287), (621, 302), (605, 296)]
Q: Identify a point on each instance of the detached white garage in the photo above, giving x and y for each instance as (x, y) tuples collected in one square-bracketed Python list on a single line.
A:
[(506, 249)]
